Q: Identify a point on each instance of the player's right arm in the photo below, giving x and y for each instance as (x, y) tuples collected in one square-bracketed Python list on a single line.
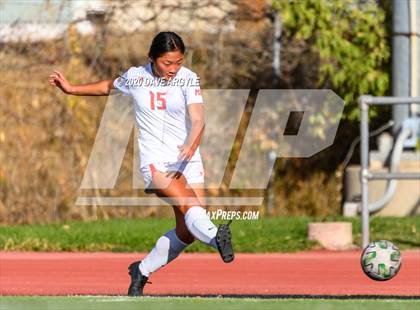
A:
[(101, 88)]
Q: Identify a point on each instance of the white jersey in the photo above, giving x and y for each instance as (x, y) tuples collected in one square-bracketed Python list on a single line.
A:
[(161, 111)]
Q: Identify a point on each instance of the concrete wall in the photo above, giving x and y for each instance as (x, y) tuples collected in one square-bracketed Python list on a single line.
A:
[(406, 200)]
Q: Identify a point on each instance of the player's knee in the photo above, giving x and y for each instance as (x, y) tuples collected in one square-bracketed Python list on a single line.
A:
[(187, 238), (184, 235)]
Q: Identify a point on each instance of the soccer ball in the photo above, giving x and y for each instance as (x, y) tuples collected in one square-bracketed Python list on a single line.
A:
[(381, 260)]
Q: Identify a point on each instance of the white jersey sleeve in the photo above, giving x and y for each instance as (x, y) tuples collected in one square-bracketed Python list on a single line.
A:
[(121, 83), (193, 90)]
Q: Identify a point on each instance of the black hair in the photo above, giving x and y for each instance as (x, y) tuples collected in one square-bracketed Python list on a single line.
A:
[(165, 42)]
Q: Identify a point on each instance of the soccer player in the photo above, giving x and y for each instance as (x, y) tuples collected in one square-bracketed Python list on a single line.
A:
[(169, 113)]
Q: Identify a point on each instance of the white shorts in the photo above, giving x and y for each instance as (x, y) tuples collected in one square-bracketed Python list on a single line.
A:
[(192, 170)]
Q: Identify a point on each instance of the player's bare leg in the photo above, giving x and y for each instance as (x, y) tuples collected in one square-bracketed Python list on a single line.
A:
[(181, 228)]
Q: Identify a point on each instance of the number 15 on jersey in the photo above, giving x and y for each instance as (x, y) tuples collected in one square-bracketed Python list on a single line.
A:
[(157, 100)]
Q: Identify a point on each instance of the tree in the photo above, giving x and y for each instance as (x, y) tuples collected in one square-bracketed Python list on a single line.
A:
[(350, 38)]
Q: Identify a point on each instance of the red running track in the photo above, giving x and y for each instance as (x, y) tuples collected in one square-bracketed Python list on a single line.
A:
[(313, 273)]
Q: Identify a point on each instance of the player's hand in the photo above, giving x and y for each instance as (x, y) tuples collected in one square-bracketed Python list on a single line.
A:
[(185, 152), (58, 79)]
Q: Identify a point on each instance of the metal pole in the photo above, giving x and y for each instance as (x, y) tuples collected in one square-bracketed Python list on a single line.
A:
[(394, 176), (276, 49), (390, 100), (272, 156), (276, 78), (414, 54), (400, 59), (364, 173)]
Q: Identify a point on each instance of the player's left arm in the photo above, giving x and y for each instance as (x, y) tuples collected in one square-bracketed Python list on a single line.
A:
[(196, 112)]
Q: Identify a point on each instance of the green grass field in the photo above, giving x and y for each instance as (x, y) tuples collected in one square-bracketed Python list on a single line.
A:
[(281, 234), (181, 303)]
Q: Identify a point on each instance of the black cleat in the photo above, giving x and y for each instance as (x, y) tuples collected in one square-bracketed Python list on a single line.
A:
[(224, 242), (138, 281)]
